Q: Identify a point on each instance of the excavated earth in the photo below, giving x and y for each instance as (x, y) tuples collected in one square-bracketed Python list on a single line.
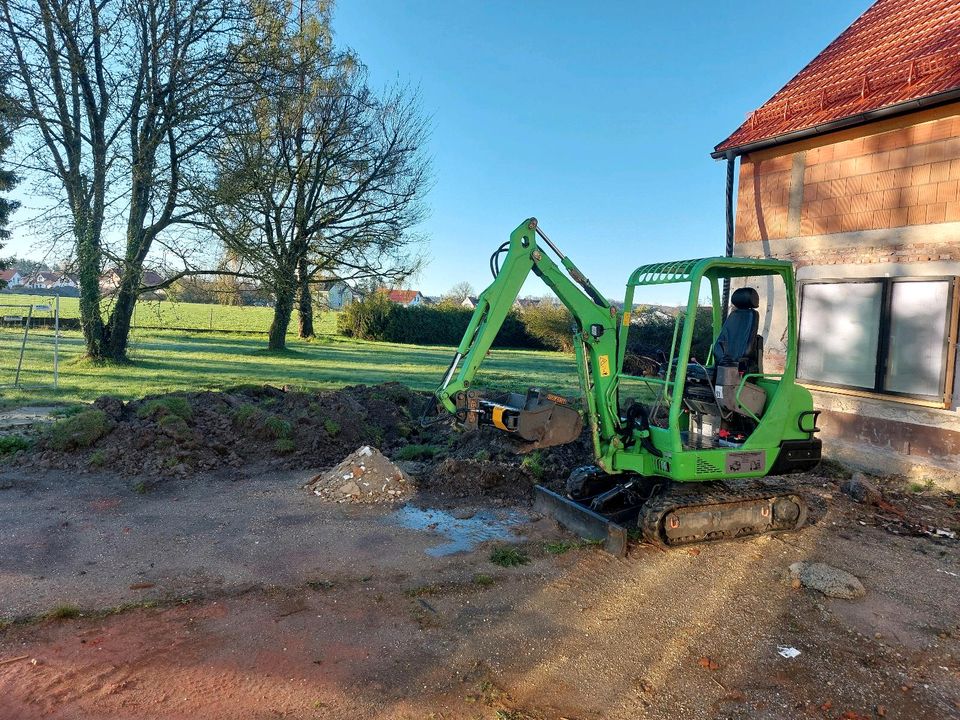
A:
[(265, 428), (180, 564)]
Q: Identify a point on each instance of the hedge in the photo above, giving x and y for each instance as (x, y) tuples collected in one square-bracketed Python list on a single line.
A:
[(376, 318), (547, 327)]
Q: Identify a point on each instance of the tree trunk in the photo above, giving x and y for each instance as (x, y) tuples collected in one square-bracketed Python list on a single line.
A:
[(122, 314), (286, 292), (88, 263), (305, 303)]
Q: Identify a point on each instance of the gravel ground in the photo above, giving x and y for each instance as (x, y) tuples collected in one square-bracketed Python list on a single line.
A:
[(274, 603)]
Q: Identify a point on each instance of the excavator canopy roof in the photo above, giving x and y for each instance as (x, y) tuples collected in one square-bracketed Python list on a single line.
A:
[(685, 271)]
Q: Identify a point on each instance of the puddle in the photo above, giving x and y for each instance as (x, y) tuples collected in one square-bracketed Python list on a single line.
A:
[(460, 535), (25, 418)]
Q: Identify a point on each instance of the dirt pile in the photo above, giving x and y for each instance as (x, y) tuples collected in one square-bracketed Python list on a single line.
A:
[(488, 462), (364, 476), (262, 428), (180, 434)]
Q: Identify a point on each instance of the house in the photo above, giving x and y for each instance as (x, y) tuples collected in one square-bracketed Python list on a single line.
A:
[(334, 294), (10, 278), (407, 298), (852, 171), (470, 302), (110, 281), (526, 302), (49, 280)]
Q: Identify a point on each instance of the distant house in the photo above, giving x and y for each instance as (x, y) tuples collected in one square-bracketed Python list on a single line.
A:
[(407, 298), (49, 280), (334, 294), (852, 171), (11, 278), (110, 281), (469, 302), (524, 303)]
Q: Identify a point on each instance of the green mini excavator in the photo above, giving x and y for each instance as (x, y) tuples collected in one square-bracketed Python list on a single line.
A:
[(682, 453)]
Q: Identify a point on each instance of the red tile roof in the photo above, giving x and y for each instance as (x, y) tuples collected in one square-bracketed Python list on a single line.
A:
[(897, 51), (403, 297)]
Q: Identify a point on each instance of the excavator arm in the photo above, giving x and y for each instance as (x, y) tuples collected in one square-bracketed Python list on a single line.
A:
[(539, 417)]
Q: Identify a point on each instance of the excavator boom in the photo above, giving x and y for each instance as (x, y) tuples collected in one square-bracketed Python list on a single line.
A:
[(539, 417)]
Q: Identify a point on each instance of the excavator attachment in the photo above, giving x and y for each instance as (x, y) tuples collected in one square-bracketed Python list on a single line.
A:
[(539, 417)]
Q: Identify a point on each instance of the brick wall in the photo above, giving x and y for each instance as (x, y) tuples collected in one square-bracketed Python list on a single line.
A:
[(869, 179), (836, 205)]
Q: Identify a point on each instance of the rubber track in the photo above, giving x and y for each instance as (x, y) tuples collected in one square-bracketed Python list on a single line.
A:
[(685, 495)]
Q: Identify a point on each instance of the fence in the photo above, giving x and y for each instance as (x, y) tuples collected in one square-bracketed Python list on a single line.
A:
[(189, 317), (40, 350)]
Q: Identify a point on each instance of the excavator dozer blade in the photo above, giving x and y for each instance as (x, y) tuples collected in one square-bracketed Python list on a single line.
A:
[(581, 520)]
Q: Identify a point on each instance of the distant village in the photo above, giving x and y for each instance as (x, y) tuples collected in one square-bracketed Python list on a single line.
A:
[(330, 294)]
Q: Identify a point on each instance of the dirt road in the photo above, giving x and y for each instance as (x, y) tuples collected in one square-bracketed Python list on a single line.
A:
[(272, 603)]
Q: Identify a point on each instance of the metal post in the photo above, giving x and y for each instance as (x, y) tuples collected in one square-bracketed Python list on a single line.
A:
[(56, 344), (23, 346)]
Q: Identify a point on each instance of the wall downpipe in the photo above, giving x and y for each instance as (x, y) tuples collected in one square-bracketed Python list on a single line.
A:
[(731, 165)]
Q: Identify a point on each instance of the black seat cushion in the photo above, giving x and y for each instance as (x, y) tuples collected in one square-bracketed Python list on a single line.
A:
[(738, 340)]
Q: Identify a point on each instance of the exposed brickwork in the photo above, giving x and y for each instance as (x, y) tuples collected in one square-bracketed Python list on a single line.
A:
[(902, 253), (907, 176)]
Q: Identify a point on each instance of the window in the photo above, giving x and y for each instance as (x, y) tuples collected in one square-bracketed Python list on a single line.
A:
[(885, 335)]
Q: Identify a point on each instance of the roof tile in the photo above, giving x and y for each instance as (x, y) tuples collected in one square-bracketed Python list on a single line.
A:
[(897, 51)]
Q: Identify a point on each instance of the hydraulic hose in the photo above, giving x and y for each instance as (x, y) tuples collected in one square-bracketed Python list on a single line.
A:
[(495, 259)]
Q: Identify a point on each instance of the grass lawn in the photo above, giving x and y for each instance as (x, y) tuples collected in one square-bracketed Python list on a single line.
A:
[(165, 361), (170, 315)]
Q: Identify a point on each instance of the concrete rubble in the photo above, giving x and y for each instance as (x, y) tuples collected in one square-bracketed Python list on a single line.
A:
[(364, 476)]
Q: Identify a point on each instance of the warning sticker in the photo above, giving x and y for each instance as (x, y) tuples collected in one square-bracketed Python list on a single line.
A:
[(743, 462), (604, 366)]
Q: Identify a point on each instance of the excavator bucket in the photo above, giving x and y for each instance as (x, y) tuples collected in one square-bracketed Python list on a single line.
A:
[(540, 418), (545, 421)]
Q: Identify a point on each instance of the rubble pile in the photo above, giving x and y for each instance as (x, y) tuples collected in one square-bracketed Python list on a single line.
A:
[(364, 476)]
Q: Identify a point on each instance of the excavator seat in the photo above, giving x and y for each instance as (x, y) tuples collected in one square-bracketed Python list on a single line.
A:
[(738, 346), (738, 342)]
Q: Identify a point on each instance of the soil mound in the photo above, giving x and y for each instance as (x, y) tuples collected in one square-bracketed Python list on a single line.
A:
[(263, 428), (179, 434), (364, 476)]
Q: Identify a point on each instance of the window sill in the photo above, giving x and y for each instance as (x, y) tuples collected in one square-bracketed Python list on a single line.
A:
[(940, 405)]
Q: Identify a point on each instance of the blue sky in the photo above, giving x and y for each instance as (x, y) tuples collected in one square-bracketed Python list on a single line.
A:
[(598, 118)]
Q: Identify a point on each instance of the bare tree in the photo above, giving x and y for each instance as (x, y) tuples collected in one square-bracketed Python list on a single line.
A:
[(321, 176), (458, 293), (121, 96)]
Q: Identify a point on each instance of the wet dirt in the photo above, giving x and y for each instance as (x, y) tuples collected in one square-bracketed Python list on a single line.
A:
[(460, 534)]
